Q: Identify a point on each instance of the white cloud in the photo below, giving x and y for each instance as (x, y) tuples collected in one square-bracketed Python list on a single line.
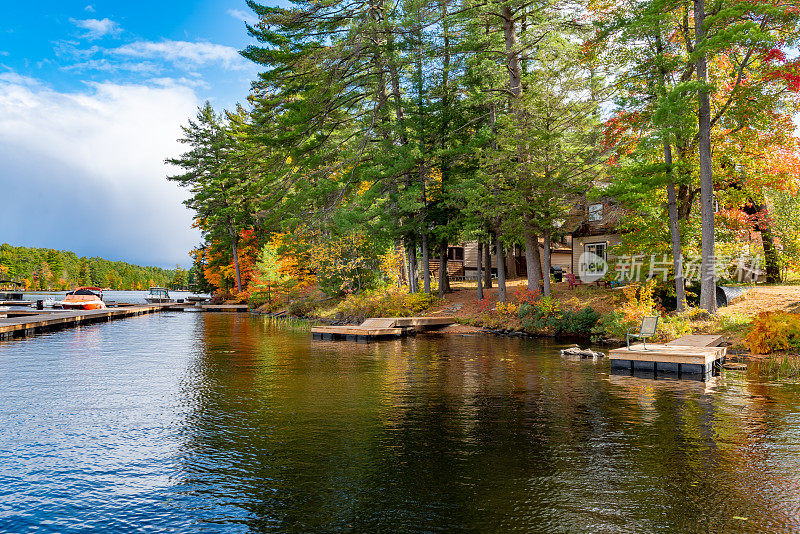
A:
[(71, 49), (104, 65), (244, 16), (183, 53), (183, 81), (89, 166), (89, 8), (97, 28)]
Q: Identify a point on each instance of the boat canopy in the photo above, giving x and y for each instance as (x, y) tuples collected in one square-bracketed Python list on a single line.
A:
[(86, 291)]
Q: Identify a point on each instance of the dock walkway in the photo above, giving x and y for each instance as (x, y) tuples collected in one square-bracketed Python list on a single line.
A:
[(379, 328), (21, 323), (695, 354), (36, 322)]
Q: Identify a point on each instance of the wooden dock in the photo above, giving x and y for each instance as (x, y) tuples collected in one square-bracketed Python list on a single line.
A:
[(380, 328), (686, 355), (20, 323), (46, 321)]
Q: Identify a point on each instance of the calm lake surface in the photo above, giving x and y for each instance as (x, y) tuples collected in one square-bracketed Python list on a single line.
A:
[(200, 422)]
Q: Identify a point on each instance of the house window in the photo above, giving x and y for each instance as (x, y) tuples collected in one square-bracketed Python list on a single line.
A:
[(455, 253), (598, 249), (595, 212), (596, 258)]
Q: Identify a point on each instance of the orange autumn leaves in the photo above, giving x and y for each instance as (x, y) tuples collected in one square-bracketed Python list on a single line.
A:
[(303, 260)]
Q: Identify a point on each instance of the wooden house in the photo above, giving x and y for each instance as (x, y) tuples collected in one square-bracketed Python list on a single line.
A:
[(462, 259), (593, 227)]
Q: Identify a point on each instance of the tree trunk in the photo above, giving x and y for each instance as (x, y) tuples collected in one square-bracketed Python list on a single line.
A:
[(413, 284), (532, 257), (398, 99), (771, 261), (672, 203), (537, 260), (478, 267), (444, 278), (235, 251), (426, 264), (501, 269), (675, 236), (546, 262), (404, 267), (487, 275), (512, 52), (708, 297)]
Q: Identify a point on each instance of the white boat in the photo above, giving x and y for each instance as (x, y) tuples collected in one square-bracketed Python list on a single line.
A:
[(3, 312), (158, 295)]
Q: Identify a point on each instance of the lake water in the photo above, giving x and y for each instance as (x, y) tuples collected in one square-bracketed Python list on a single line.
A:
[(189, 422)]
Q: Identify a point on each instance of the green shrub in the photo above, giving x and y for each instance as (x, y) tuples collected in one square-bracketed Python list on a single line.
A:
[(302, 307), (578, 323), (259, 298), (546, 316), (673, 326), (612, 324), (384, 303)]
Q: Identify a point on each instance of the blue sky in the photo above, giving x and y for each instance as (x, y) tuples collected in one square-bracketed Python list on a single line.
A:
[(92, 96)]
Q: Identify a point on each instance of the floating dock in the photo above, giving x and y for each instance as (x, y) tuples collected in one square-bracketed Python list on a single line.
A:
[(695, 354), (380, 328)]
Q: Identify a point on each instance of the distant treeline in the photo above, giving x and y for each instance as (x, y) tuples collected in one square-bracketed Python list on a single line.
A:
[(44, 268)]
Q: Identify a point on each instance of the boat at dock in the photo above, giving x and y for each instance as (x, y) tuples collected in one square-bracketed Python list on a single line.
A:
[(158, 295), (84, 298), (12, 294)]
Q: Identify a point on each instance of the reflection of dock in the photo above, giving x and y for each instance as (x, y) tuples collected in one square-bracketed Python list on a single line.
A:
[(686, 355), (381, 328), (224, 307)]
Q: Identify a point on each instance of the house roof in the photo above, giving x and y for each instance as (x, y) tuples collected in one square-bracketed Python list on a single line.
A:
[(578, 223)]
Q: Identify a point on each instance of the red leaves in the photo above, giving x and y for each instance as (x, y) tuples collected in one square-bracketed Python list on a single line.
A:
[(788, 72), (774, 54), (617, 126), (792, 80)]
